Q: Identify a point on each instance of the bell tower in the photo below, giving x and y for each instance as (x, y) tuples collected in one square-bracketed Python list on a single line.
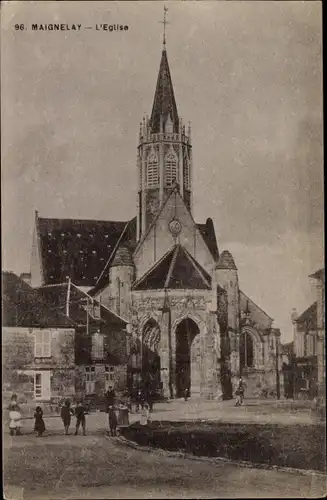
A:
[(164, 155)]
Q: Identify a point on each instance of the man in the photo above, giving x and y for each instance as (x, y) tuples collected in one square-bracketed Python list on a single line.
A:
[(110, 397), (80, 412)]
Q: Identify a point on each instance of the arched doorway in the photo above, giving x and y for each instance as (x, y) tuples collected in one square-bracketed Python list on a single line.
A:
[(150, 356), (187, 357)]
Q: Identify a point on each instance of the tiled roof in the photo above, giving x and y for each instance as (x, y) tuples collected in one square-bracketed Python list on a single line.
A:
[(308, 319), (79, 249), (56, 296), (164, 103), (23, 306), (226, 261), (123, 257), (320, 274), (176, 270)]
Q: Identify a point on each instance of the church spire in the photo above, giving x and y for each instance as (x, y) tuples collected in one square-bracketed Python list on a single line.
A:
[(164, 104)]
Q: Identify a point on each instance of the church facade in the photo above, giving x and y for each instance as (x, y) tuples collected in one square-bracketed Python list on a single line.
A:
[(190, 325)]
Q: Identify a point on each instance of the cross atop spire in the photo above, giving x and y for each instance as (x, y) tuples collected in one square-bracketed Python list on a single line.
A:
[(164, 22)]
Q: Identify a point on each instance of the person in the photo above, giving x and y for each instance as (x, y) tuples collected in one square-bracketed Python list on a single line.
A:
[(186, 394), (80, 412), (110, 397), (145, 415), (239, 392), (112, 420), (65, 414), (39, 425), (15, 423)]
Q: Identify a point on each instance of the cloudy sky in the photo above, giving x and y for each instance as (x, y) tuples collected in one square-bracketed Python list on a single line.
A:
[(248, 75)]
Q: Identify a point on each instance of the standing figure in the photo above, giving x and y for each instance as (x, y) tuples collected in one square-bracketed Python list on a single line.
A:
[(80, 412), (15, 418), (39, 425), (110, 397), (112, 420), (65, 414), (145, 415), (186, 394), (240, 392)]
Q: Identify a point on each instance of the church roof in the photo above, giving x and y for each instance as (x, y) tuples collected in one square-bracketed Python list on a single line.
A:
[(23, 306), (80, 249), (207, 231), (177, 269), (123, 257), (226, 261), (164, 103), (308, 319)]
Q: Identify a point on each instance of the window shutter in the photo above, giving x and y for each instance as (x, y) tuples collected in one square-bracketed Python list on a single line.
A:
[(46, 385), (46, 344), (38, 344)]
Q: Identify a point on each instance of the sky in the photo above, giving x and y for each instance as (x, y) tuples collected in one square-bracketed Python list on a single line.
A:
[(248, 75)]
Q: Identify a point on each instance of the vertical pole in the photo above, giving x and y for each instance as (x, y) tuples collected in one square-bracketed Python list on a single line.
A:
[(87, 316), (277, 371), (68, 297)]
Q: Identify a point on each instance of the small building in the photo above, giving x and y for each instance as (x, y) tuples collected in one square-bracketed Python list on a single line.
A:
[(58, 342), (308, 356)]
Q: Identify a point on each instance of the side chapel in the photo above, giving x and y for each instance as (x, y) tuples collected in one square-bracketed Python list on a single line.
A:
[(190, 324)]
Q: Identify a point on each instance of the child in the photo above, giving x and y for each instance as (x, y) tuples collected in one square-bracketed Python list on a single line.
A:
[(39, 425), (80, 412), (15, 420), (145, 415), (65, 414), (112, 420)]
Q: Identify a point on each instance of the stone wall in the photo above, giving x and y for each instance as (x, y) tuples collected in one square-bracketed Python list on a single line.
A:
[(19, 363)]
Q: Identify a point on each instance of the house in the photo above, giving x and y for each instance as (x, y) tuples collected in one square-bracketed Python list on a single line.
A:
[(309, 341), (58, 342)]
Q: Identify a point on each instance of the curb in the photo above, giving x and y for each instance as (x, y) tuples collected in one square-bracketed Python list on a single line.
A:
[(240, 463)]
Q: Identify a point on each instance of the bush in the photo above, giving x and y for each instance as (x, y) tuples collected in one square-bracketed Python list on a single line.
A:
[(289, 446)]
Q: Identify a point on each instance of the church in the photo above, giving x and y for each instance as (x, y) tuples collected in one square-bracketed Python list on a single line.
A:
[(190, 325)]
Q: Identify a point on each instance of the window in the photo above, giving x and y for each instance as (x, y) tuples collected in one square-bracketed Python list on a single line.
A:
[(97, 346), (43, 344), (186, 173), (152, 178), (42, 385), (171, 169), (246, 351), (109, 376), (89, 379)]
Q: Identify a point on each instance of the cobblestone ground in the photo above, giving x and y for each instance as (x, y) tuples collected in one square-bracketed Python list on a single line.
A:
[(57, 466)]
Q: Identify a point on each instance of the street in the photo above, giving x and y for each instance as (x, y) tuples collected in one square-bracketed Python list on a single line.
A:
[(95, 466)]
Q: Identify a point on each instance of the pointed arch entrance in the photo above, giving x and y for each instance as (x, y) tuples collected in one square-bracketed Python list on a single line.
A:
[(187, 357), (150, 355)]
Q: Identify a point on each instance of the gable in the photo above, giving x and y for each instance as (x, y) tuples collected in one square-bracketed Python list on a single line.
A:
[(159, 240), (176, 270), (258, 316), (308, 319)]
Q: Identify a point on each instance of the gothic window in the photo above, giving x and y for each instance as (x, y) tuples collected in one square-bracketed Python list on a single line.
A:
[(171, 168), (246, 351), (152, 177), (186, 173)]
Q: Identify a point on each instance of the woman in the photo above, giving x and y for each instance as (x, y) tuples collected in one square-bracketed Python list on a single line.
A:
[(15, 422), (39, 425)]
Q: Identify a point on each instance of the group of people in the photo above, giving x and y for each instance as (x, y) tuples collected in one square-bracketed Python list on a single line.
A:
[(15, 417)]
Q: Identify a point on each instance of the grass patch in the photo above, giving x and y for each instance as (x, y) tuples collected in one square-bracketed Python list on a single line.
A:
[(298, 446)]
